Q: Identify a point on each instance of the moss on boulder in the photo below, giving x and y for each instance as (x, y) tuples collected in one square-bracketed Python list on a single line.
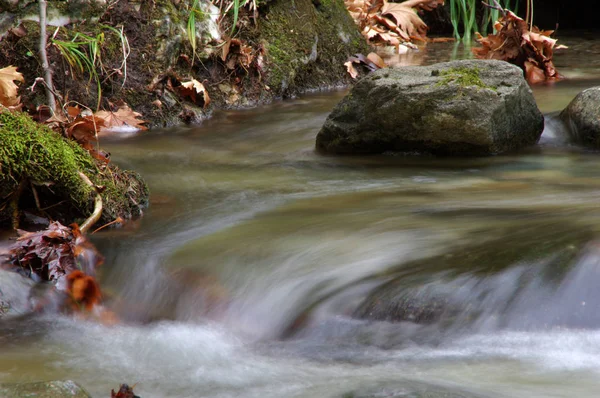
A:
[(32, 155), (307, 43)]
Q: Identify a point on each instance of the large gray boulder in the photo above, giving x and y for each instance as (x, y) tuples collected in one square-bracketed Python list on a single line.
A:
[(472, 107), (582, 118)]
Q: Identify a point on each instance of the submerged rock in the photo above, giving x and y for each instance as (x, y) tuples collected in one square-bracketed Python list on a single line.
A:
[(474, 107), (14, 294), (44, 389), (409, 389), (582, 118)]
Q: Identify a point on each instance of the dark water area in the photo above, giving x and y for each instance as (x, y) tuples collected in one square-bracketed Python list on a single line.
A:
[(263, 269)]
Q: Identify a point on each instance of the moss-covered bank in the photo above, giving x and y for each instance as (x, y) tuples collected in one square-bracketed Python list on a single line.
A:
[(307, 43), (34, 158), (294, 46)]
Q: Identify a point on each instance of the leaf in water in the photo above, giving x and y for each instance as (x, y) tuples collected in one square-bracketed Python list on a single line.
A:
[(124, 392), (195, 91), (83, 290), (52, 254), (533, 73), (8, 89)]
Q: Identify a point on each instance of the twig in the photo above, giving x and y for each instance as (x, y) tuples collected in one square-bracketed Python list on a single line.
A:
[(44, 57), (495, 6), (117, 220)]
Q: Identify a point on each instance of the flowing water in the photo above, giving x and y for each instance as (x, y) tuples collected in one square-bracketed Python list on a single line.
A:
[(248, 271)]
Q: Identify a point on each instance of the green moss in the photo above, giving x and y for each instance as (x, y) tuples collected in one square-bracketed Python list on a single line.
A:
[(307, 45), (32, 152), (463, 77)]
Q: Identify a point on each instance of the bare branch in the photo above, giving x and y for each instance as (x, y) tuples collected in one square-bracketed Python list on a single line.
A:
[(44, 57)]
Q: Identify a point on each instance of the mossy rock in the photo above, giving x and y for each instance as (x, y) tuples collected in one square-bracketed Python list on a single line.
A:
[(458, 108), (32, 155), (44, 389), (307, 43)]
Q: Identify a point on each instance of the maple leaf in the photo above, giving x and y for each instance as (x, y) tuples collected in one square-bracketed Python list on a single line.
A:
[(55, 255), (8, 89), (196, 91), (123, 120)]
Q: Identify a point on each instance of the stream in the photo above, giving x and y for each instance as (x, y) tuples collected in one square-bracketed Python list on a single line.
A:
[(244, 277)]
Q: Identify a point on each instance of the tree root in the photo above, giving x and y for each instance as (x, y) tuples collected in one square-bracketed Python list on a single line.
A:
[(93, 219)]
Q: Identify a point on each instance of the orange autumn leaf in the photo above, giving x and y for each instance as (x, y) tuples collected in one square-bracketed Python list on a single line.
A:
[(83, 290), (377, 60), (8, 89)]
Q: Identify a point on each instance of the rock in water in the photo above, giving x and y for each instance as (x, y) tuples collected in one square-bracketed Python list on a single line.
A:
[(472, 107), (582, 118), (44, 389)]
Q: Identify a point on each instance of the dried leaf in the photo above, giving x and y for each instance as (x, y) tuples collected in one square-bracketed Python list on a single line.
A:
[(52, 254), (377, 60), (123, 120), (83, 290), (124, 392), (195, 91), (351, 69), (387, 23), (532, 50), (8, 89)]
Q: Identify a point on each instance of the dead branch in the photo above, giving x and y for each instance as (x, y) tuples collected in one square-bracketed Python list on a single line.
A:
[(44, 57)]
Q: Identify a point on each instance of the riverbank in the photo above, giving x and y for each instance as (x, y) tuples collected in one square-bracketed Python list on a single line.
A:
[(146, 50)]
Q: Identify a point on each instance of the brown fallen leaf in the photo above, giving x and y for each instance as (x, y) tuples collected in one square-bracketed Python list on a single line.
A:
[(123, 117), (195, 91), (351, 69), (377, 60), (8, 89), (382, 22), (83, 291), (124, 392), (531, 49), (369, 63)]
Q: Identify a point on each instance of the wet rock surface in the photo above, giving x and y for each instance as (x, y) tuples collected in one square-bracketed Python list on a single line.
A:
[(44, 389), (582, 118), (473, 107)]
